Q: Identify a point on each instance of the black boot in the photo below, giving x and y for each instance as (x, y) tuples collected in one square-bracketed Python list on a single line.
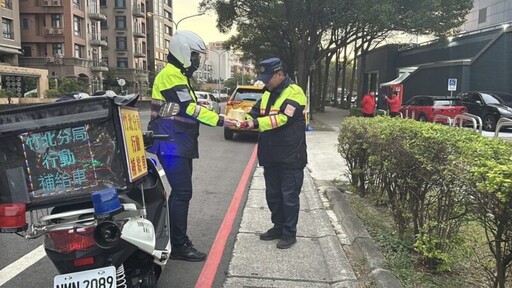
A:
[(286, 242), (271, 234), (187, 252)]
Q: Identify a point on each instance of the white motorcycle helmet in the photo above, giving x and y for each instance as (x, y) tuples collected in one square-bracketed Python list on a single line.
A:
[(183, 43)]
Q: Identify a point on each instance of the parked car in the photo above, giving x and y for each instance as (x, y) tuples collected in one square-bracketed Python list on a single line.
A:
[(240, 102), (104, 93), (31, 93), (425, 107), (208, 100), (490, 106), (73, 96)]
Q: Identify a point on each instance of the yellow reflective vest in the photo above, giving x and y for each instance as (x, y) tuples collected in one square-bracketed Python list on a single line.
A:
[(171, 85), (279, 116)]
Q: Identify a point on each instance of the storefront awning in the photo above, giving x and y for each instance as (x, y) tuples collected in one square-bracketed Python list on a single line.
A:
[(396, 81), (9, 50)]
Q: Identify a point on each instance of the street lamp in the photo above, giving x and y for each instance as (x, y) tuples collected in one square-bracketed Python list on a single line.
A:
[(151, 14), (219, 54)]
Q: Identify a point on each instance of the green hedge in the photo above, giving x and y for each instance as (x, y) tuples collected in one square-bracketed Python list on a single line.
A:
[(435, 179)]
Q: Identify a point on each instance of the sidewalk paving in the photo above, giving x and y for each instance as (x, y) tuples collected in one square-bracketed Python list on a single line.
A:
[(326, 227)]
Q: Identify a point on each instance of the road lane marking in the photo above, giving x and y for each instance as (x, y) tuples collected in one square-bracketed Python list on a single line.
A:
[(214, 257), (18, 266)]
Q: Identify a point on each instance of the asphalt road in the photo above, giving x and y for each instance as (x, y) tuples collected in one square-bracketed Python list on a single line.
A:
[(216, 176)]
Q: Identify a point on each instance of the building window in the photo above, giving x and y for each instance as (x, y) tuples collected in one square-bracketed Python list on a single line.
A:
[(121, 43), (56, 20), (169, 3), (103, 3), (24, 23), (120, 3), (7, 4), (76, 26), (76, 4), (27, 51), (103, 24), (57, 49), (78, 51), (482, 15), (104, 61), (168, 30), (122, 62), (120, 22), (7, 29), (168, 15)]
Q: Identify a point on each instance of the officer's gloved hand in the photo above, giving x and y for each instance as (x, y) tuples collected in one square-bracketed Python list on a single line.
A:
[(228, 122), (247, 124)]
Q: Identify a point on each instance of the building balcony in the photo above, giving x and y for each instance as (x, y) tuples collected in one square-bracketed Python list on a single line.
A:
[(98, 66), (32, 61), (95, 41), (138, 12), (139, 34), (141, 74), (139, 54), (99, 69), (96, 15)]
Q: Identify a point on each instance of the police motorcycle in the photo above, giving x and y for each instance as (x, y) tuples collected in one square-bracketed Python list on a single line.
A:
[(76, 173)]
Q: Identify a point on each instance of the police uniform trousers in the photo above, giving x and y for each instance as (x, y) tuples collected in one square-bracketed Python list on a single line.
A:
[(179, 174), (283, 186)]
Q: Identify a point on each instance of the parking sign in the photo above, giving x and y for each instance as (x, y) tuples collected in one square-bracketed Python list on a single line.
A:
[(452, 84)]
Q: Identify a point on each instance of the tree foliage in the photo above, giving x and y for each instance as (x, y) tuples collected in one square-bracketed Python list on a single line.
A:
[(303, 33)]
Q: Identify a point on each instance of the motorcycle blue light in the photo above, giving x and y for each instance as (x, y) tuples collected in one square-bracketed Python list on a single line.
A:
[(105, 202)]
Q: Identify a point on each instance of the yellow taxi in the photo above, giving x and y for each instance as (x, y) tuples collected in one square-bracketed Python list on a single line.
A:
[(241, 102)]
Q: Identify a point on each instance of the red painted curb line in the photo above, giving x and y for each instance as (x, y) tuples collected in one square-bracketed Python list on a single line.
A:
[(214, 257)]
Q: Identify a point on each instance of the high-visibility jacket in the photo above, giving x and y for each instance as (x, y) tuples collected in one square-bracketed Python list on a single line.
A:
[(172, 86), (279, 117)]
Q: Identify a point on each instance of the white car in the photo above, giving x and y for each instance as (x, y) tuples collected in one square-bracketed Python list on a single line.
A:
[(207, 100), (104, 93), (31, 93)]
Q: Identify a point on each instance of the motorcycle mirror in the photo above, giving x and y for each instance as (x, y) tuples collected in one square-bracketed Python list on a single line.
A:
[(169, 109)]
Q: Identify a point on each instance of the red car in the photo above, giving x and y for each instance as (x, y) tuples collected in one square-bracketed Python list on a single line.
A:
[(425, 108)]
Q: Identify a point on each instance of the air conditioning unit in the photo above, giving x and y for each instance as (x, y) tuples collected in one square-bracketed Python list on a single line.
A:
[(57, 3), (48, 31), (50, 59), (58, 61), (47, 3), (58, 31)]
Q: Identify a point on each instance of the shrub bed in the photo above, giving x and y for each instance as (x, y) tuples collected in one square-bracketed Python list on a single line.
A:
[(436, 180)]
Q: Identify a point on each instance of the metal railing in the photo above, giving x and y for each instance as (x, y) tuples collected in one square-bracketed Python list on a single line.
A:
[(443, 117), (470, 117), (413, 114), (503, 122)]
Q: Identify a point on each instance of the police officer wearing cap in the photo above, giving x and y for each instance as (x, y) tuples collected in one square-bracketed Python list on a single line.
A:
[(279, 117), (172, 85)]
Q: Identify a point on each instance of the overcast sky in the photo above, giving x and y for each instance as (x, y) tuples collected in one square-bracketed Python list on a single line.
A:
[(204, 25)]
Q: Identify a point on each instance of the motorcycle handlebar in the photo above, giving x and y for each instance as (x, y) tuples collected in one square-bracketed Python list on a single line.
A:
[(149, 135)]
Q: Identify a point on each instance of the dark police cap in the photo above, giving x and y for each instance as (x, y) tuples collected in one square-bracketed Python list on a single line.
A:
[(268, 68)]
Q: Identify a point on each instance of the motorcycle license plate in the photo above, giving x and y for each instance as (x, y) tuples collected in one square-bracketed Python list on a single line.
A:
[(103, 277)]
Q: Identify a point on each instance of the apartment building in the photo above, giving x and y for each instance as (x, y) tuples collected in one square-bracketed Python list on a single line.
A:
[(64, 37), (125, 30), (94, 40), (160, 29), (10, 42)]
